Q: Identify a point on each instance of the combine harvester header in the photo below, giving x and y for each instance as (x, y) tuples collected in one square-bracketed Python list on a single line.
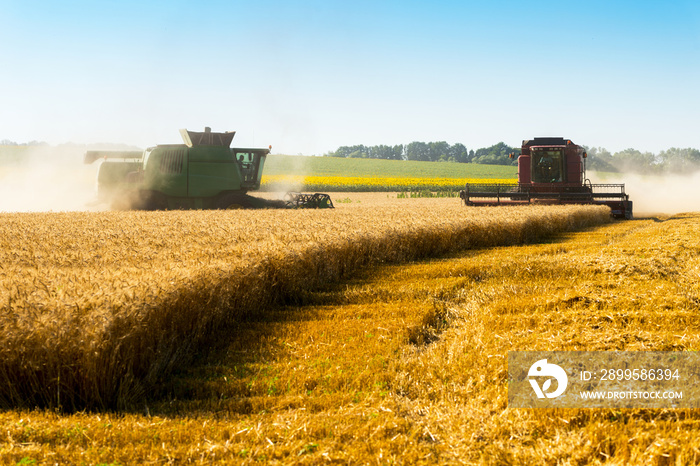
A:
[(551, 171)]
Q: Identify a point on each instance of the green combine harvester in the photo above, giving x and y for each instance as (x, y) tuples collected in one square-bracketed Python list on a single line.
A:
[(203, 173)]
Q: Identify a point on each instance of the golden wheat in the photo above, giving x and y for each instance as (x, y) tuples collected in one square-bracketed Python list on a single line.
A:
[(406, 364), (98, 307)]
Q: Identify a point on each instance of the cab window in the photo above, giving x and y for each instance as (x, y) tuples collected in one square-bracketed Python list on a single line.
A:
[(547, 166)]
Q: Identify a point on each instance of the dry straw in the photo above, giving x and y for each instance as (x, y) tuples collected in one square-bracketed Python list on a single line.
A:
[(99, 308)]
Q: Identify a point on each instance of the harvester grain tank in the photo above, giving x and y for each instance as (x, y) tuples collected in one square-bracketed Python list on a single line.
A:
[(203, 173), (551, 171)]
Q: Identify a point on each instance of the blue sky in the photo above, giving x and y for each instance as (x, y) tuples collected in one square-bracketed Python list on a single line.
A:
[(310, 76)]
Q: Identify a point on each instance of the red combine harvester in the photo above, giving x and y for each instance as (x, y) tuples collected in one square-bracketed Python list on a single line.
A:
[(551, 171)]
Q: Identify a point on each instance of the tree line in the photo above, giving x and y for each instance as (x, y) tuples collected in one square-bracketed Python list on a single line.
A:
[(673, 160), (431, 152)]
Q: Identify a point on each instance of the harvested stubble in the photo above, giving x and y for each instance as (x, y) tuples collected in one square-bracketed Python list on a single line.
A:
[(97, 308)]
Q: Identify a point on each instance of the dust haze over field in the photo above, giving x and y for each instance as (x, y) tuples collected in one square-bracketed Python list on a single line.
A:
[(45, 178), (53, 178), (658, 194), (297, 166)]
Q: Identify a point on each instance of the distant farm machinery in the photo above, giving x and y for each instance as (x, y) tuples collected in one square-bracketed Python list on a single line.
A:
[(203, 173), (551, 171)]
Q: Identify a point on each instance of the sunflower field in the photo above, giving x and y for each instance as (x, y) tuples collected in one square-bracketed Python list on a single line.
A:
[(369, 184)]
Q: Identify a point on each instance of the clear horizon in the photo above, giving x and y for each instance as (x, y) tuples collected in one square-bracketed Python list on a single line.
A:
[(308, 77)]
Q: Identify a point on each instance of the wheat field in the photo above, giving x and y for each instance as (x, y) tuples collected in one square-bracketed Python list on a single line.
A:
[(375, 333), (98, 307)]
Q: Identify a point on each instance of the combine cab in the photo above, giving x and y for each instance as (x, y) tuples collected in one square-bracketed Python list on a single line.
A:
[(203, 173), (551, 171)]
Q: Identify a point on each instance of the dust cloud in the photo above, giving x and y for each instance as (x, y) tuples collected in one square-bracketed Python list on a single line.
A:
[(657, 194), (279, 167), (45, 178)]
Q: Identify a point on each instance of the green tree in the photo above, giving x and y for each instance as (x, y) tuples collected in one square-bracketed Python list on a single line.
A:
[(632, 160), (458, 153), (438, 151), (498, 154), (418, 151), (599, 160), (676, 160)]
